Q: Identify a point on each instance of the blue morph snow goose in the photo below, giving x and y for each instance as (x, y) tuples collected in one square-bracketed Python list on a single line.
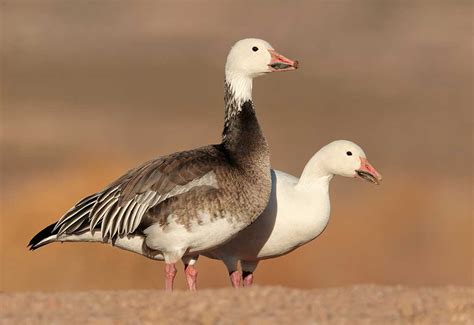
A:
[(177, 206)]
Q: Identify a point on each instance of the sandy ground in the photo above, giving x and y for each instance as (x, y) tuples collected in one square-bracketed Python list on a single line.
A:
[(367, 304)]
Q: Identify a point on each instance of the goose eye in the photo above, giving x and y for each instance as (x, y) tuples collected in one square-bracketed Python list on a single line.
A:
[(255, 49), (349, 153)]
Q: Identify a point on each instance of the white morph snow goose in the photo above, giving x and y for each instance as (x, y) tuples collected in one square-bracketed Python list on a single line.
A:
[(298, 210), (179, 205)]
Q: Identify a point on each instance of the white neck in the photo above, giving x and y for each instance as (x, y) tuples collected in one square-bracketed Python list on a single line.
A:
[(240, 86), (314, 174)]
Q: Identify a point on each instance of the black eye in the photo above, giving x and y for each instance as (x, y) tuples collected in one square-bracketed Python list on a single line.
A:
[(255, 49), (349, 153)]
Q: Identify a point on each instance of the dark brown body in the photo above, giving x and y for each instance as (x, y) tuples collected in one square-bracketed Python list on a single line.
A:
[(188, 201)]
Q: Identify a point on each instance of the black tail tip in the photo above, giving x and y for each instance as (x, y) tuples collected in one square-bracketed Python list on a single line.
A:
[(45, 233)]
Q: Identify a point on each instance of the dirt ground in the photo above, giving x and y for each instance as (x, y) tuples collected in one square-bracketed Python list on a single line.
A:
[(363, 304)]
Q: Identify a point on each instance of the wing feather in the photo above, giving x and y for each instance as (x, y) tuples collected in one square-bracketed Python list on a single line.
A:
[(73, 214), (72, 226), (116, 221), (132, 215), (97, 215), (120, 207), (123, 221), (107, 223)]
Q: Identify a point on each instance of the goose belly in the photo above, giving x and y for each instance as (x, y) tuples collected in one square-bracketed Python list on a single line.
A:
[(290, 220), (266, 239), (198, 235)]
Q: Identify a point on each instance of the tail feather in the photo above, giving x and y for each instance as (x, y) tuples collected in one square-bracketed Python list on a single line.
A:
[(135, 243), (44, 237), (71, 225)]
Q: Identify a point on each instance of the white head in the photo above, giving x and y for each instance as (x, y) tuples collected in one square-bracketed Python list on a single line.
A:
[(345, 158), (250, 58), (253, 57)]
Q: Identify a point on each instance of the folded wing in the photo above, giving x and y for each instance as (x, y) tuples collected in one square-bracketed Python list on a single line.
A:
[(120, 207)]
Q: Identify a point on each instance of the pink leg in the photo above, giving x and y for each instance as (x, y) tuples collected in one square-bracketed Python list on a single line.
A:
[(236, 279), (170, 273), (191, 276), (248, 278)]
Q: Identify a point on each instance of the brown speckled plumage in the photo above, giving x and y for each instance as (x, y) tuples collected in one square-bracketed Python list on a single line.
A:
[(230, 180)]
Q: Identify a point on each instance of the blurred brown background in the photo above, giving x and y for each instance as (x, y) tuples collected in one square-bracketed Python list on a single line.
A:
[(92, 88)]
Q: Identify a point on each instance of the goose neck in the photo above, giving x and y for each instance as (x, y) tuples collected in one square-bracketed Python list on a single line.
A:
[(315, 174), (242, 135)]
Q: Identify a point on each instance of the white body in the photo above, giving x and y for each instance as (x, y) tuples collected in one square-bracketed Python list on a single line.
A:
[(198, 238), (295, 215)]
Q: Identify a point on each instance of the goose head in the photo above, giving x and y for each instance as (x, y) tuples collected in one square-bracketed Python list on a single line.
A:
[(345, 158), (252, 57)]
